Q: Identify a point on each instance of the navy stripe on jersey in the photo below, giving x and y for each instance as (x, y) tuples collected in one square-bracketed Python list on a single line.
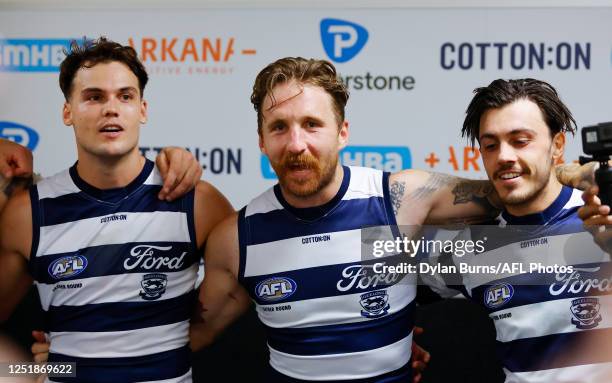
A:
[(554, 351), (163, 365), (401, 375), (34, 204), (530, 288), (243, 236), (363, 212), (343, 338), (120, 316), (327, 280), (75, 206), (112, 195), (388, 205), (497, 237), (111, 260)]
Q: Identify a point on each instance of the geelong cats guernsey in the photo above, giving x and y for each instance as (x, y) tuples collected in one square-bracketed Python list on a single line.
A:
[(548, 325), (326, 319), (115, 270)]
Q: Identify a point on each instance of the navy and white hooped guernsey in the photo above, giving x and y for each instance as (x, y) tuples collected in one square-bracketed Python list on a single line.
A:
[(115, 270), (326, 319), (550, 327)]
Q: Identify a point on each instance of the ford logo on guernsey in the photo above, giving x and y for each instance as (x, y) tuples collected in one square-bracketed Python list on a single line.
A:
[(386, 158), (275, 289), (342, 40), (498, 295), (21, 134), (66, 267)]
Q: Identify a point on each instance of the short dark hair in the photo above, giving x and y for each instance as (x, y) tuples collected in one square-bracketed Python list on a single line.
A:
[(500, 93), (89, 53), (305, 71)]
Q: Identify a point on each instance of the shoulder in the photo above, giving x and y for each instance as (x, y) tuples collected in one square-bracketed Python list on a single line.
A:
[(16, 223), (222, 248), (210, 208)]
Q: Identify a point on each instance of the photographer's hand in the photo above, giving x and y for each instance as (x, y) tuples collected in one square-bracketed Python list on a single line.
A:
[(596, 219)]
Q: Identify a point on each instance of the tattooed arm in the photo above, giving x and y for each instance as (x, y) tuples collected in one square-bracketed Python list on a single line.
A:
[(433, 198), (576, 176)]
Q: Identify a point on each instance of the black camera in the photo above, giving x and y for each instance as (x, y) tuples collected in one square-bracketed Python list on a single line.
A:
[(597, 142)]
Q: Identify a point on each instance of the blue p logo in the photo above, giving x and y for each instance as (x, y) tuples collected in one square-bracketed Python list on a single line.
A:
[(342, 40), (21, 134)]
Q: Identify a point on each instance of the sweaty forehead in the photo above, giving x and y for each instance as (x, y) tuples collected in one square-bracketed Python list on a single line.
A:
[(281, 94)]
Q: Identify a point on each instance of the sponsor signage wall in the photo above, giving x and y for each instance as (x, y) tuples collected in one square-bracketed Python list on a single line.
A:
[(410, 72)]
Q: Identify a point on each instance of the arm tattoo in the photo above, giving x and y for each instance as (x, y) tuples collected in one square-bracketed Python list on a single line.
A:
[(8, 186), (396, 190), (472, 191), (433, 184)]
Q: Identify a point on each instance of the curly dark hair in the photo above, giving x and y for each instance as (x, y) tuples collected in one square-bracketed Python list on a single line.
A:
[(500, 93), (305, 71), (89, 53)]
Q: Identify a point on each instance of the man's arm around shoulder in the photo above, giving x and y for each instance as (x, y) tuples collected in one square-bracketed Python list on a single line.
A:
[(426, 197)]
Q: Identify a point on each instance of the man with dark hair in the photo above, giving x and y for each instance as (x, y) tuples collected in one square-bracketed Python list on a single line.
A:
[(295, 249), (542, 319), (115, 266)]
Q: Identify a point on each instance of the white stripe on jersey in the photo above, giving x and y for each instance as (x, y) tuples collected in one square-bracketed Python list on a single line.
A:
[(339, 309), (355, 365), (154, 178), (264, 203), (596, 373), (57, 185), (365, 183), (534, 320), (561, 250), (121, 344), (343, 247), (113, 288), (89, 232), (264, 258)]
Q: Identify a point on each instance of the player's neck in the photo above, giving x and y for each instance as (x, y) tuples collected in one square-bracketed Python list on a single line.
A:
[(110, 173), (320, 198), (540, 202)]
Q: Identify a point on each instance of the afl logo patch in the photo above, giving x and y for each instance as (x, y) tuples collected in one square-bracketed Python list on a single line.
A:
[(67, 267), (498, 295), (275, 289)]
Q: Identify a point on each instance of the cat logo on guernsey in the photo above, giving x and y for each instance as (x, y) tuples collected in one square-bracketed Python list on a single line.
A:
[(275, 289), (66, 267), (498, 295), (153, 286), (586, 313), (375, 304)]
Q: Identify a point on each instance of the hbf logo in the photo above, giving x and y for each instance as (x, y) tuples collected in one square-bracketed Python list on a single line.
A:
[(498, 295), (20, 134), (342, 40), (386, 158), (66, 267), (32, 55), (275, 289)]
